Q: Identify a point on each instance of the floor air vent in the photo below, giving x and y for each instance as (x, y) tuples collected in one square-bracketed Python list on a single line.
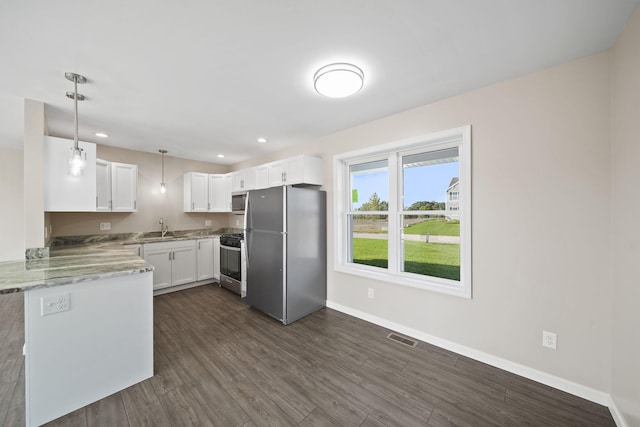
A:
[(402, 340)]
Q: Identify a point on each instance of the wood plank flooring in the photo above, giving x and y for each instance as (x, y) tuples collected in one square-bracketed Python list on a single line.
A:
[(219, 363)]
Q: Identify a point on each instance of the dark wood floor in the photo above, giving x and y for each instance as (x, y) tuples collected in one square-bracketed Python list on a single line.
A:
[(220, 363)]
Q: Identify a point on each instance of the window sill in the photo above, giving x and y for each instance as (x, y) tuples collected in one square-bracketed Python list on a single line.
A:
[(433, 284)]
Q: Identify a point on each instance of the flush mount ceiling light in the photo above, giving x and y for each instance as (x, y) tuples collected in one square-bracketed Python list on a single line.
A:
[(262, 140), (221, 156), (338, 80), (77, 157), (163, 186), (101, 135)]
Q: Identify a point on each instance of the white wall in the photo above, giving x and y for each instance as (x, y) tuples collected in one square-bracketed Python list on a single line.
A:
[(12, 212), (626, 233), (151, 203), (34, 130), (541, 214)]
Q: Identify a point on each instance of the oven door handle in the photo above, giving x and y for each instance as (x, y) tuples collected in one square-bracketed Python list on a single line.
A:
[(230, 248)]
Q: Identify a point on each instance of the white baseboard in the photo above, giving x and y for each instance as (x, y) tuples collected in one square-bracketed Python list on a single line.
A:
[(616, 414), (507, 365)]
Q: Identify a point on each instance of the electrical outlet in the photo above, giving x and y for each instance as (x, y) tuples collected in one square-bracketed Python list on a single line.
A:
[(370, 293), (549, 340), (55, 304), (237, 222), (105, 226), (207, 223)]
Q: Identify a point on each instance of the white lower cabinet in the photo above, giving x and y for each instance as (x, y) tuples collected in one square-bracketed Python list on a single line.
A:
[(205, 259), (216, 258), (174, 262)]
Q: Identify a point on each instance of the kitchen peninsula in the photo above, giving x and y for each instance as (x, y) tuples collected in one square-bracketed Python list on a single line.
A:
[(88, 325)]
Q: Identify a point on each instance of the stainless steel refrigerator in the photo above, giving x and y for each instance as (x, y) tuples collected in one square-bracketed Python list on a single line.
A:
[(286, 251)]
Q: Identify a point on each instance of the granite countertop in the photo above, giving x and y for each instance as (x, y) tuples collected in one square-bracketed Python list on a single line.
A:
[(70, 264), (75, 259), (146, 237)]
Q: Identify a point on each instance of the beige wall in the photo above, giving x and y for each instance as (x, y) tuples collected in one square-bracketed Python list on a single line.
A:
[(541, 212), (626, 211), (151, 203), (34, 130), (12, 212)]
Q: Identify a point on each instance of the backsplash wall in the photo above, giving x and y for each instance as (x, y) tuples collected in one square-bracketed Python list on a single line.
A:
[(151, 203)]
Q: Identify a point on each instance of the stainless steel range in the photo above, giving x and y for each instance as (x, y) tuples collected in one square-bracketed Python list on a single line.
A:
[(232, 265)]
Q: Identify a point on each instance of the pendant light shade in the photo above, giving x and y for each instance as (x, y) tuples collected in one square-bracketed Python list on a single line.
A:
[(163, 186), (338, 80), (77, 157)]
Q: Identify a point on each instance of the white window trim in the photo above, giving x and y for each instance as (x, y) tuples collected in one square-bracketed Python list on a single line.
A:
[(453, 137)]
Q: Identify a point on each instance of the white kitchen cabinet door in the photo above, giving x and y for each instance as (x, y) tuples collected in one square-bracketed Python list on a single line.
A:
[(103, 186), (243, 180), (196, 192), (183, 268), (63, 192), (124, 187), (174, 262), (262, 177), (160, 258), (216, 258), (296, 170), (276, 173), (205, 259), (237, 181), (219, 193)]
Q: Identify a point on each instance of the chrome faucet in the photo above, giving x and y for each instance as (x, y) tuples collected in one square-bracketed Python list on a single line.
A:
[(164, 228)]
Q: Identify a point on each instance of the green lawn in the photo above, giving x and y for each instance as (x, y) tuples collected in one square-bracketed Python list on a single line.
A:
[(436, 227), (431, 259)]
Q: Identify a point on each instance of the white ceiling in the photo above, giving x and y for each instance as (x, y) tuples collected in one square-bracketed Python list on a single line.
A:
[(199, 78)]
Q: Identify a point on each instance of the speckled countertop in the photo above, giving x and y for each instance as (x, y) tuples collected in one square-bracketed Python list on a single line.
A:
[(78, 259), (147, 237), (72, 264)]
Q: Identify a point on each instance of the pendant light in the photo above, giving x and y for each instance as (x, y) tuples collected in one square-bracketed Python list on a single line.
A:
[(163, 186), (77, 157)]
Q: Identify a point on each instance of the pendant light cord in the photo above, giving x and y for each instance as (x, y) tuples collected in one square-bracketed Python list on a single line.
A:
[(75, 102)]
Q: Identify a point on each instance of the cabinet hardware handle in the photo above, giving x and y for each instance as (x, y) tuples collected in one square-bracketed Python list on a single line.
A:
[(209, 206), (169, 256), (135, 204), (193, 206)]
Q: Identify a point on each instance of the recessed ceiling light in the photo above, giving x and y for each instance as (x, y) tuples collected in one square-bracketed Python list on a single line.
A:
[(262, 140), (338, 80), (101, 135), (221, 156)]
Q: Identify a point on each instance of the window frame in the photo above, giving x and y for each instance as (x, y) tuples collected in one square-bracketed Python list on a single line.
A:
[(457, 137)]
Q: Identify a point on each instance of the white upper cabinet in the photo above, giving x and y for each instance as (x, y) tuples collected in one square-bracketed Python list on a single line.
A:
[(196, 192), (63, 192), (262, 177), (220, 193), (296, 170), (116, 187), (243, 180), (103, 186)]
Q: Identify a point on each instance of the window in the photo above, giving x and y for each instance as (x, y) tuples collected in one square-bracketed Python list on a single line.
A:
[(403, 212)]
